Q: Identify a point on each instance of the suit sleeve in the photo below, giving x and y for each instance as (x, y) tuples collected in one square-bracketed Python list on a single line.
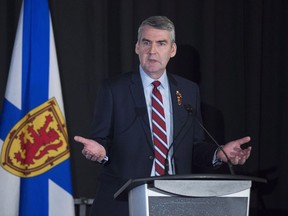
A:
[(203, 151), (101, 126)]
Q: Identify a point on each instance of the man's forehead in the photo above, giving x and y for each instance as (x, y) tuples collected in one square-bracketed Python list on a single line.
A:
[(159, 40), (153, 34)]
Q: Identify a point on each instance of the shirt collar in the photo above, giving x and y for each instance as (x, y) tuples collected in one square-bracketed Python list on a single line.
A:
[(147, 81)]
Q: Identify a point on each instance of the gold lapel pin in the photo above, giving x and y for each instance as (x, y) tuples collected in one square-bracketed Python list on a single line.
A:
[(179, 97)]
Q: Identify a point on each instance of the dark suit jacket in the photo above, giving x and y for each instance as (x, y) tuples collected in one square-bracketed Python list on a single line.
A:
[(121, 125)]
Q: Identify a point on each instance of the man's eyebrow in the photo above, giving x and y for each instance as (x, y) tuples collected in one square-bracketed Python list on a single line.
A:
[(159, 41), (144, 39)]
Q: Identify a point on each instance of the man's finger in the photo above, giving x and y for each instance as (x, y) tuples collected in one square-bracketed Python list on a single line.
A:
[(242, 160), (243, 140), (82, 140), (248, 151), (94, 158)]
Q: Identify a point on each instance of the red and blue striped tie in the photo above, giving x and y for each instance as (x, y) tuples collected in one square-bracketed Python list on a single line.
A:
[(159, 130)]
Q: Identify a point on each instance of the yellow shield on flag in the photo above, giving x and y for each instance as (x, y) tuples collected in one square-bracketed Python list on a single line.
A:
[(37, 143)]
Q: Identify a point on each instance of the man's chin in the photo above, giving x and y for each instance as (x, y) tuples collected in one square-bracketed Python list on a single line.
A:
[(155, 74), (154, 69)]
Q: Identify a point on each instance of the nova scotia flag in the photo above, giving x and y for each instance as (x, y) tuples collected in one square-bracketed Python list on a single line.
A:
[(35, 175)]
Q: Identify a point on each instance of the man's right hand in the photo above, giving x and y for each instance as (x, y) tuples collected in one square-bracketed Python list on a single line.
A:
[(92, 150)]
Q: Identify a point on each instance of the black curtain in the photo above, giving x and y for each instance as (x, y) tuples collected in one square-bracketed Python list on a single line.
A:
[(236, 50)]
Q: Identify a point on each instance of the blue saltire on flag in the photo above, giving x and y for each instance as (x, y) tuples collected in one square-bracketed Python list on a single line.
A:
[(33, 80)]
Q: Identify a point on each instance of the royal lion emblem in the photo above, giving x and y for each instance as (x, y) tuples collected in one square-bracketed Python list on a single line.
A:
[(37, 143)]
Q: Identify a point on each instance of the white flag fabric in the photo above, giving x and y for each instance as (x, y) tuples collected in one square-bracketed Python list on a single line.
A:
[(35, 175)]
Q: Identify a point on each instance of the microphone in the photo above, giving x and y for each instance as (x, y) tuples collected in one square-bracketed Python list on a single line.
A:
[(175, 139), (190, 110)]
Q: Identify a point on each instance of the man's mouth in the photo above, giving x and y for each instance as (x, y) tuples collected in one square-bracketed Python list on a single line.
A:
[(153, 60)]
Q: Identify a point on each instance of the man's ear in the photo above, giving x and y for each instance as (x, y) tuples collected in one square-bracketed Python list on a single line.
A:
[(137, 48), (174, 50)]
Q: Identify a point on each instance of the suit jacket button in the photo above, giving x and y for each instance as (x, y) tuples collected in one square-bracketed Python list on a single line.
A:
[(151, 157)]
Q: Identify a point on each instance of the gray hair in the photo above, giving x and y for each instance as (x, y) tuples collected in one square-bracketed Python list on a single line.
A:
[(158, 22)]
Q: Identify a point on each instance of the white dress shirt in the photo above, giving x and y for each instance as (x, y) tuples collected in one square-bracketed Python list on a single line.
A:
[(167, 103)]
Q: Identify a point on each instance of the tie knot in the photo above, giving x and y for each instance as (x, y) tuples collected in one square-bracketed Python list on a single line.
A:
[(156, 83)]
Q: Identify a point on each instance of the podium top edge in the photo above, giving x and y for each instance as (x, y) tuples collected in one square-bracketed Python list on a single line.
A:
[(131, 183), (201, 177)]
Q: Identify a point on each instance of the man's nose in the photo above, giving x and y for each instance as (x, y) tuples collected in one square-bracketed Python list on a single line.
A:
[(153, 48)]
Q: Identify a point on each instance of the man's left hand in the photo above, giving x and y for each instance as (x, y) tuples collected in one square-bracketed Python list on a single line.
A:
[(235, 153)]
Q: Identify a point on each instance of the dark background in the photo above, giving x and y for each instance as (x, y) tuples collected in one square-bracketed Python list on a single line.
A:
[(236, 50)]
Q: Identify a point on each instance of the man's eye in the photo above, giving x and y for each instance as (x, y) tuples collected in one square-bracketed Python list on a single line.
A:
[(146, 43)]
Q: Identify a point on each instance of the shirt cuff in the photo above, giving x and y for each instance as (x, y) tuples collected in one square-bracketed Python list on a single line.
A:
[(216, 161)]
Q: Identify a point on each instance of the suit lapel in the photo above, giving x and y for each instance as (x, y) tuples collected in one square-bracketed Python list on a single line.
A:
[(179, 113), (136, 89)]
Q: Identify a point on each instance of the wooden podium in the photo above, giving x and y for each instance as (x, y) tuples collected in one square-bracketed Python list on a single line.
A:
[(195, 195)]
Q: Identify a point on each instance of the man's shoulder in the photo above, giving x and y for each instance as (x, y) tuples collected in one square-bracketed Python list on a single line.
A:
[(179, 80), (121, 79)]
